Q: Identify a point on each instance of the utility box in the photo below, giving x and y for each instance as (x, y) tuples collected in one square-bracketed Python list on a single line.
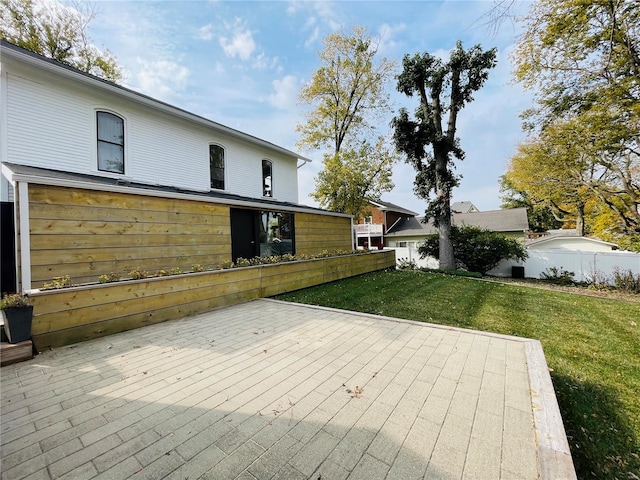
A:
[(517, 272)]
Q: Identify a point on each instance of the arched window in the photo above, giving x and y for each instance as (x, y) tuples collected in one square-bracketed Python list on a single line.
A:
[(216, 166), (110, 142), (267, 178)]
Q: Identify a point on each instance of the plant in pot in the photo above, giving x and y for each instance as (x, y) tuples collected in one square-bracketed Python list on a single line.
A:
[(18, 313)]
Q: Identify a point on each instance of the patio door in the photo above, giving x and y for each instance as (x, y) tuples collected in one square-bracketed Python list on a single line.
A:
[(244, 233)]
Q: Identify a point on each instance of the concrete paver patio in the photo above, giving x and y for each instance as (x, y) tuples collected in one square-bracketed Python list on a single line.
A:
[(268, 389)]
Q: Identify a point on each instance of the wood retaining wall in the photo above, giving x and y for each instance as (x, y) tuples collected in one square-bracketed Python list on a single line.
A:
[(71, 315)]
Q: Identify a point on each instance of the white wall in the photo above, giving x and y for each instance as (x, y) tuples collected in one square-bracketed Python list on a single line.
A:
[(587, 266), (411, 254), (50, 123)]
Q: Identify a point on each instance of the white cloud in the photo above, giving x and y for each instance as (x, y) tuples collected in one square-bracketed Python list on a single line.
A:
[(240, 44), (313, 38), (205, 32), (387, 33), (162, 79), (285, 92)]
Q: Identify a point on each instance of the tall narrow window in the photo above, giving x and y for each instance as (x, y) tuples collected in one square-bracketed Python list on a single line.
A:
[(216, 166), (267, 178), (110, 142)]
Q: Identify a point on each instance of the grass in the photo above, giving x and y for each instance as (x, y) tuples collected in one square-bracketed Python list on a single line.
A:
[(592, 346)]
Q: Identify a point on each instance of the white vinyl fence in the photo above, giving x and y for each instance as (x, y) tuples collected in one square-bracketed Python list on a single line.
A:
[(586, 266)]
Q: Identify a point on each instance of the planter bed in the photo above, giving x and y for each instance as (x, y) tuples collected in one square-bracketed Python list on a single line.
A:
[(75, 314)]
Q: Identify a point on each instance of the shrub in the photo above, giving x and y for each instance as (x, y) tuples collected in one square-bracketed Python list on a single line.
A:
[(406, 264), (197, 268), (626, 281), (138, 274), (226, 264), (58, 282), (243, 262), (109, 277), (558, 276), (476, 249)]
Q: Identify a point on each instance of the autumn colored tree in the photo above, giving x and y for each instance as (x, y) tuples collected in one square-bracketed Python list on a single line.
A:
[(443, 89), (59, 32), (348, 97), (583, 61)]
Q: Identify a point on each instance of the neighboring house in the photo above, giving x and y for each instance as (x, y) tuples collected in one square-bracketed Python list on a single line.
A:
[(410, 232), (371, 229), (463, 207), (104, 179)]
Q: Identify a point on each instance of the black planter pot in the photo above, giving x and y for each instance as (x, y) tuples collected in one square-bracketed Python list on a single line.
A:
[(17, 323)]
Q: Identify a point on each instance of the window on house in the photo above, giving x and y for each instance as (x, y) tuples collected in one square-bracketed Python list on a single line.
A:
[(401, 244), (276, 233), (110, 142), (261, 233), (368, 220), (216, 166), (267, 178)]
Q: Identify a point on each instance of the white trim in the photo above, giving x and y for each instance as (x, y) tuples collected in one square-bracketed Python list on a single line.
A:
[(57, 182), (25, 237), (4, 149)]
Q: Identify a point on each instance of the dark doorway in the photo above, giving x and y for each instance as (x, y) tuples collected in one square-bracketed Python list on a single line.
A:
[(244, 233), (7, 248)]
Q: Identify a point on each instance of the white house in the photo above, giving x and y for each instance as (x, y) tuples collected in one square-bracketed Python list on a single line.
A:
[(102, 179), (59, 118)]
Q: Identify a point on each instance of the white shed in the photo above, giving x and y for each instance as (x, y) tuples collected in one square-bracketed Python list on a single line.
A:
[(584, 244)]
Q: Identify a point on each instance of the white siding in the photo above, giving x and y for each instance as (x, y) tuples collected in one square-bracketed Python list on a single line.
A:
[(51, 124)]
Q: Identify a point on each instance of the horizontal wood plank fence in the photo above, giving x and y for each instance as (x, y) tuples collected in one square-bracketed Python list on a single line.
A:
[(75, 314)]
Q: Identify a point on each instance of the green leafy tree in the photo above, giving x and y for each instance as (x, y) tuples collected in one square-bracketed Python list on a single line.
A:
[(583, 61), (477, 250), (350, 179), (541, 217), (443, 89), (59, 32), (348, 97)]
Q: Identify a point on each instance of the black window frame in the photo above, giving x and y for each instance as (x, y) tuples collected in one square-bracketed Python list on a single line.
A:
[(101, 141), (267, 164), (216, 183)]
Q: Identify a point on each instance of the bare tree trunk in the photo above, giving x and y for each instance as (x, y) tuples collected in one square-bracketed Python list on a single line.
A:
[(443, 193)]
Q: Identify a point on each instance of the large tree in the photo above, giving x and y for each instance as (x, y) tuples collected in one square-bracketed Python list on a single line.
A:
[(541, 217), (59, 32), (348, 97), (443, 89), (583, 61)]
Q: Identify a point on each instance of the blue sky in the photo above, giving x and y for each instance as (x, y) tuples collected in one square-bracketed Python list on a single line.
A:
[(242, 63)]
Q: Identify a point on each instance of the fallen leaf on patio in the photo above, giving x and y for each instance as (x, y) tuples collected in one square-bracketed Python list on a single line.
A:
[(357, 392), (264, 351), (178, 378), (145, 372)]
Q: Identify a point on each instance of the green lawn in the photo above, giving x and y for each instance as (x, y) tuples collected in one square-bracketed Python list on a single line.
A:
[(592, 346)]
